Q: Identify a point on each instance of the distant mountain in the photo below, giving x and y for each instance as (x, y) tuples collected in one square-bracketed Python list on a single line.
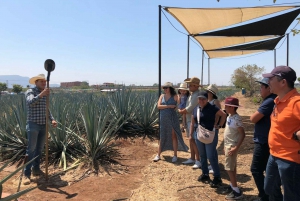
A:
[(10, 80)]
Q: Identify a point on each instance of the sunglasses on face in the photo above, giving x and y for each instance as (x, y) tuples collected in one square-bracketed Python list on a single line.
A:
[(165, 87)]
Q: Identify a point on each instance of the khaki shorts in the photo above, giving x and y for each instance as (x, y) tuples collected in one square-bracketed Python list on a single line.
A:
[(230, 161)]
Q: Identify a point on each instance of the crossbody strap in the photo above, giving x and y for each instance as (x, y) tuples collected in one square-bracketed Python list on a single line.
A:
[(198, 115)]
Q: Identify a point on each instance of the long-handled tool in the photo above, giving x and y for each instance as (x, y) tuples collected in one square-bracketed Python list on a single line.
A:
[(49, 67), (22, 173)]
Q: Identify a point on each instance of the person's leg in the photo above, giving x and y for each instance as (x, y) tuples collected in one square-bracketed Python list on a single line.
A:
[(212, 155), (290, 177), (39, 147), (175, 142), (272, 181), (203, 155), (232, 177), (32, 136), (258, 166)]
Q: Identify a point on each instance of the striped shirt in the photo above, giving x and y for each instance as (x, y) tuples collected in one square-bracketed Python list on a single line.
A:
[(36, 107)]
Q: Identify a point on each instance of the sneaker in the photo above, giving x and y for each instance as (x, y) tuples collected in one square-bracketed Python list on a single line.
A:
[(188, 161), (203, 178), (174, 159), (226, 190), (197, 165), (38, 172), (216, 182), (156, 158), (234, 195), (26, 180), (210, 170)]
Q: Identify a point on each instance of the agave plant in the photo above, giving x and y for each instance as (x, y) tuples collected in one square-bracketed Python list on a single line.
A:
[(18, 194), (64, 143), (13, 135), (147, 114), (99, 133), (123, 105)]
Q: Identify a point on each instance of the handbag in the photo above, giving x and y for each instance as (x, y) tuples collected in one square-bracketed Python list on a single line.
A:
[(204, 135)]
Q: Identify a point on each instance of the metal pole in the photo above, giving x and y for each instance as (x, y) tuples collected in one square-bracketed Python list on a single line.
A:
[(202, 67), (287, 50), (208, 71), (47, 127), (188, 57), (274, 58), (159, 59), (49, 66)]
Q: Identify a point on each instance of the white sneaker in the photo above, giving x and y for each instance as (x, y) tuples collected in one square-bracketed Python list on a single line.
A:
[(210, 170), (174, 159), (188, 161), (197, 165), (156, 158)]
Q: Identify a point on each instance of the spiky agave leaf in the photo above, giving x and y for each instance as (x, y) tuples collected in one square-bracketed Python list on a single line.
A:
[(147, 113), (62, 145), (123, 104), (100, 130)]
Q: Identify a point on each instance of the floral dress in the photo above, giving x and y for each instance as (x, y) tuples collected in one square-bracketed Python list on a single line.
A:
[(168, 121)]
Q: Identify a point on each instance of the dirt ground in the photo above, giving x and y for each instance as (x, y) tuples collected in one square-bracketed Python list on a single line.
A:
[(136, 177)]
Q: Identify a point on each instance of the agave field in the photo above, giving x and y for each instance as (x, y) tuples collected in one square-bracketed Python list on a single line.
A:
[(88, 125)]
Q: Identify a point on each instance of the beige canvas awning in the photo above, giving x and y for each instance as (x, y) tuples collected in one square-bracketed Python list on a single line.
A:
[(198, 20), (220, 54), (211, 42)]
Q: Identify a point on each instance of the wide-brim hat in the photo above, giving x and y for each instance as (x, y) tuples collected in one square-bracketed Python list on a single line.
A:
[(168, 84), (231, 101), (213, 89), (193, 80), (183, 86), (35, 78)]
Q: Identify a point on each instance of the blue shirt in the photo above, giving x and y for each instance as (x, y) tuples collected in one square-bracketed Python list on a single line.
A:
[(262, 127), (207, 116)]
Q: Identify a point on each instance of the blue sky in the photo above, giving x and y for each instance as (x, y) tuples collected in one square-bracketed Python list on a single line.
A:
[(114, 41)]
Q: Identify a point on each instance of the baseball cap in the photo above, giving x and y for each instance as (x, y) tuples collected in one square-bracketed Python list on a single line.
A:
[(285, 72), (265, 80), (203, 94)]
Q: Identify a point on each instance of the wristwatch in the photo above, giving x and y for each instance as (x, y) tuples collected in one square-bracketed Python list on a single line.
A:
[(295, 137)]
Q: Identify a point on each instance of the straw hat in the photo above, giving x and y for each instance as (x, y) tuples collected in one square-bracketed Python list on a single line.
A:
[(193, 80), (183, 86), (35, 78), (213, 89), (168, 84), (231, 101)]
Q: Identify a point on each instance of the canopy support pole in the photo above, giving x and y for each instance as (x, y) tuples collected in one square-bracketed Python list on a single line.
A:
[(188, 57), (287, 50), (202, 67), (274, 58), (159, 59), (208, 71)]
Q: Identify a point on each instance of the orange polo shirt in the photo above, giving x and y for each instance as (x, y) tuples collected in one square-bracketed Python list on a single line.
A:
[(285, 120)]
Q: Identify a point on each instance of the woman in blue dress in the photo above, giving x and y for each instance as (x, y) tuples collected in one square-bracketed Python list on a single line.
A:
[(170, 134)]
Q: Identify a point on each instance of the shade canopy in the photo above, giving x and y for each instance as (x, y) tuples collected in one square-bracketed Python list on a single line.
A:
[(221, 54), (199, 20), (272, 26), (212, 42)]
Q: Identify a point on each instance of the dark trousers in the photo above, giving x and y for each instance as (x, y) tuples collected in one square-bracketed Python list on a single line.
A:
[(258, 167), (282, 172)]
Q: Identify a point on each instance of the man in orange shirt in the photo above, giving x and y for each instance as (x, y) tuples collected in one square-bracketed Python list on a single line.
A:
[(283, 166)]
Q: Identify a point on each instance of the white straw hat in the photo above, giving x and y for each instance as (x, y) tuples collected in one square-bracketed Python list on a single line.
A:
[(35, 78), (183, 86)]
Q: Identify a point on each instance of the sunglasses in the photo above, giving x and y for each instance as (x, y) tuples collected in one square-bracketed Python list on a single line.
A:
[(165, 87)]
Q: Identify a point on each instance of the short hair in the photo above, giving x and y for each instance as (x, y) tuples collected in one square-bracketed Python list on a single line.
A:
[(290, 84)]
